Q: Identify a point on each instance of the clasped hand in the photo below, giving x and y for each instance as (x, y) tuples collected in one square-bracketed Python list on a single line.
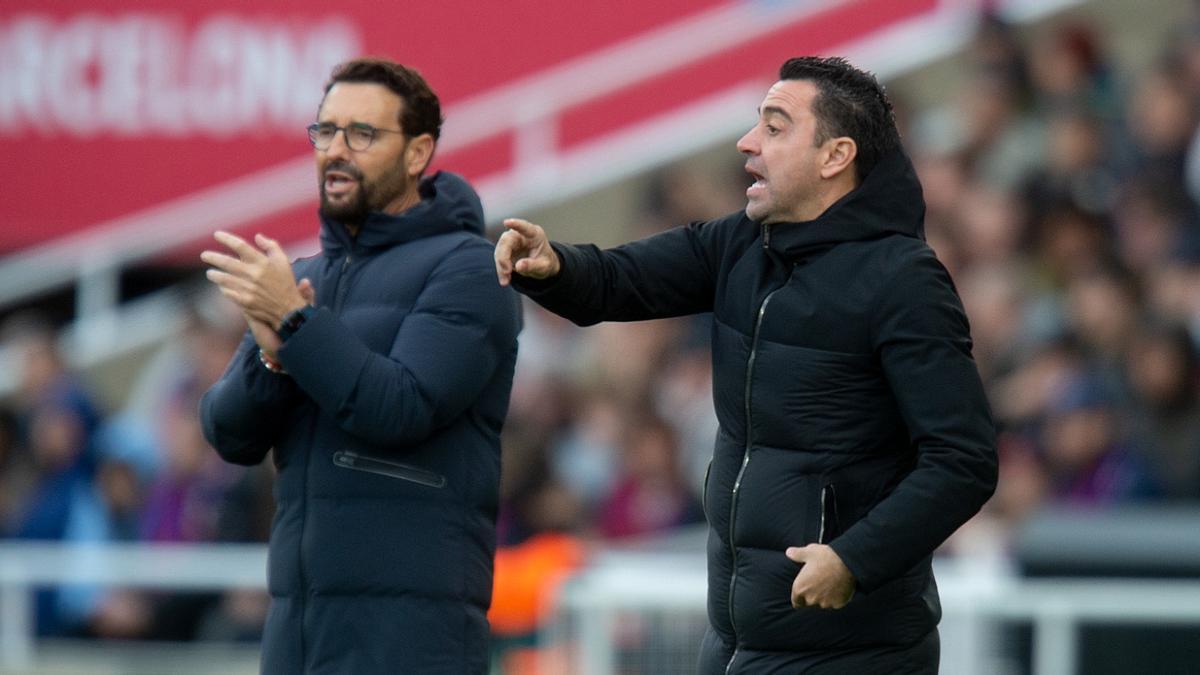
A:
[(259, 280)]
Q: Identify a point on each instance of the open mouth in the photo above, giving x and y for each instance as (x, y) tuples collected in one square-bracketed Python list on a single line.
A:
[(339, 183), (759, 183)]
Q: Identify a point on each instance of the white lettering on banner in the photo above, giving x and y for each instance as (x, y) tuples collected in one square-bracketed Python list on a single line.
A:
[(150, 74)]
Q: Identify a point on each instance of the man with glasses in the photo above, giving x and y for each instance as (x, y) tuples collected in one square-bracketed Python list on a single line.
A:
[(379, 372)]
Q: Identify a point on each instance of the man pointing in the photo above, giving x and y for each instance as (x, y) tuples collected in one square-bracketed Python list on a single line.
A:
[(854, 433)]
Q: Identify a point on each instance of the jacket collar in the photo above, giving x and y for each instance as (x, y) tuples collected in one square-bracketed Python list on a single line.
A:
[(448, 204), (889, 201)]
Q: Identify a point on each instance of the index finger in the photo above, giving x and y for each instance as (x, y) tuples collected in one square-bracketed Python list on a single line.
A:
[(506, 243), (503, 257), (269, 245), (522, 227), (224, 262), (240, 246)]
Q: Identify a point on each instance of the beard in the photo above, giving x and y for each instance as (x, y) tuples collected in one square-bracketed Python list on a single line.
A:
[(367, 196)]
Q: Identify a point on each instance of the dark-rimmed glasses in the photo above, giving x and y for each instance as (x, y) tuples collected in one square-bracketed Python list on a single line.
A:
[(359, 136)]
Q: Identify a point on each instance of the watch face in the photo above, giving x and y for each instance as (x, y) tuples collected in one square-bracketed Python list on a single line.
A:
[(292, 322)]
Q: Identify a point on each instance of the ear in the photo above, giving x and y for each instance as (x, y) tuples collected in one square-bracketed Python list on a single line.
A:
[(839, 156), (417, 154)]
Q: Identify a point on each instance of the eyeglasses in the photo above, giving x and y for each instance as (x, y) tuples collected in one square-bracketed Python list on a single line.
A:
[(359, 136)]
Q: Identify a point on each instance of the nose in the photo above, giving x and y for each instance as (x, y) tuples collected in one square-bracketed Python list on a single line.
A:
[(337, 147), (748, 144)]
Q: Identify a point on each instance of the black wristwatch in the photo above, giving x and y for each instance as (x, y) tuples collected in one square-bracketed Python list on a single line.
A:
[(292, 322)]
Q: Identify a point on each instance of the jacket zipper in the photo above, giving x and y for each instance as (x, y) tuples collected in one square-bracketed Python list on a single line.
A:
[(339, 292), (383, 467), (338, 297), (300, 567), (737, 483), (821, 527)]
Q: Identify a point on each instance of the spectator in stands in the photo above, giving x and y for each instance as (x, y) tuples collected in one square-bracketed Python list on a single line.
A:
[(1164, 376), (112, 514), (1162, 121), (1102, 310), (533, 499), (58, 420), (539, 545), (1077, 168), (1071, 71), (380, 383), (586, 456), (1022, 399), (1087, 460), (943, 178), (1068, 243), (184, 502), (855, 436), (684, 397), (999, 139), (16, 471), (244, 517), (1154, 222), (991, 226), (1173, 290), (994, 299), (682, 193), (996, 50), (650, 494)]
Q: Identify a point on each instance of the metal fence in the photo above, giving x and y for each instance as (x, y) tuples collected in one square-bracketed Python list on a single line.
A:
[(639, 612)]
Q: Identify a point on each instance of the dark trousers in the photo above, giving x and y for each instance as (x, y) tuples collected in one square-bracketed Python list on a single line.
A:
[(920, 658)]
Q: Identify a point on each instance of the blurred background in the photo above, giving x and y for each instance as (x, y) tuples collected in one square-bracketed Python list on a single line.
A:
[(1058, 142)]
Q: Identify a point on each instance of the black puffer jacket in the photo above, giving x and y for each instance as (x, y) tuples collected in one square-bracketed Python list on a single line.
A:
[(850, 409), (386, 438)]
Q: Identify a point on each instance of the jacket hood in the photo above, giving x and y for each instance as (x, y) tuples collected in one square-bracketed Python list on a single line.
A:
[(448, 204), (889, 201)]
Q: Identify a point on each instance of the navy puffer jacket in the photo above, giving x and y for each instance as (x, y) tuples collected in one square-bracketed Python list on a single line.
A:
[(386, 440), (851, 412)]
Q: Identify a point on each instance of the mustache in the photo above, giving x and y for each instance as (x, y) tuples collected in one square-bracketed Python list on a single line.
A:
[(343, 167)]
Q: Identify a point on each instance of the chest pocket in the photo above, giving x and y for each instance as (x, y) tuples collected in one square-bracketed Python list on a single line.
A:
[(390, 468)]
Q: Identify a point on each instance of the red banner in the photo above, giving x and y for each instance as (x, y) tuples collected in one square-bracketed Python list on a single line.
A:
[(108, 108)]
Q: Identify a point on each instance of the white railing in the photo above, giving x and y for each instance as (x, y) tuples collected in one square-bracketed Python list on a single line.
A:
[(596, 608), (623, 592), (27, 566)]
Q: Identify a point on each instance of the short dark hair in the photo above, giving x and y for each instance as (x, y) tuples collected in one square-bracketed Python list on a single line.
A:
[(850, 102), (421, 113)]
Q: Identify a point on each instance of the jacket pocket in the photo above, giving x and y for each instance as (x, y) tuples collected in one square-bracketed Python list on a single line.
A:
[(827, 528), (386, 467)]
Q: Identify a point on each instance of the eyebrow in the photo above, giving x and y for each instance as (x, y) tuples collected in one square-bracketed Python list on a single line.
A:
[(350, 124), (775, 110)]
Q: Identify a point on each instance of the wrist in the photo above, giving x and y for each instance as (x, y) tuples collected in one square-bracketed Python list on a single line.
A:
[(293, 321), (270, 363)]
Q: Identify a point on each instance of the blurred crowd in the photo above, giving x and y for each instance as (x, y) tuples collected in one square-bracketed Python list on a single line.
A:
[(1062, 192), (69, 472)]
